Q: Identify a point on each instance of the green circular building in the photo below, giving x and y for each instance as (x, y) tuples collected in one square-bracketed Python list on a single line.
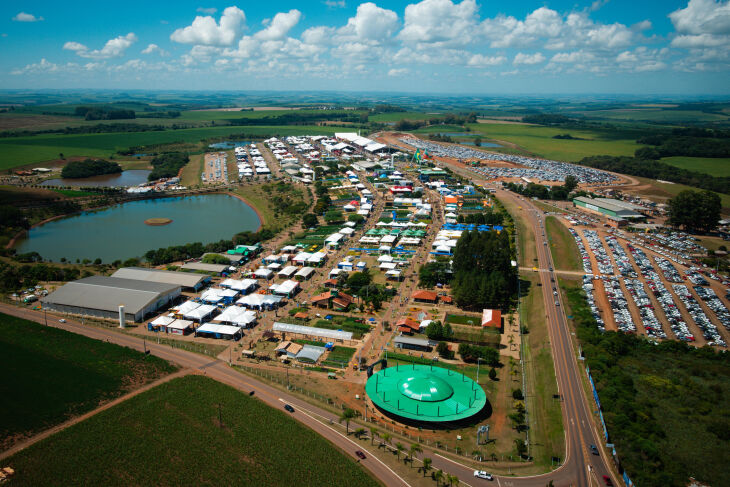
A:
[(424, 393)]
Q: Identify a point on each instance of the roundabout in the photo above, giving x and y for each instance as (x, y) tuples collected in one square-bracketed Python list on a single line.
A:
[(425, 393)]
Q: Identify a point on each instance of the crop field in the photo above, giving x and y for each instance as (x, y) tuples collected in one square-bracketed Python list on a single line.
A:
[(49, 375), (397, 116), (17, 151), (205, 115), (339, 356), (655, 115), (713, 166), (562, 245), (171, 435), (539, 140)]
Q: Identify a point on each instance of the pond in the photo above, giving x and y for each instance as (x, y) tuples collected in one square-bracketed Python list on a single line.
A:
[(133, 177), (229, 144), (120, 232)]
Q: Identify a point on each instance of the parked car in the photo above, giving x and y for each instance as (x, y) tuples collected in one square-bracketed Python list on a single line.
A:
[(482, 474), (62, 320), (360, 455)]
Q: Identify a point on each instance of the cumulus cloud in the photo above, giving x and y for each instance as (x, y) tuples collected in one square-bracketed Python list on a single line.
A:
[(522, 58), (397, 72), (154, 48), (370, 23), (703, 17), (703, 27), (26, 17), (481, 61), (205, 31), (113, 47), (439, 21), (206, 10), (279, 27)]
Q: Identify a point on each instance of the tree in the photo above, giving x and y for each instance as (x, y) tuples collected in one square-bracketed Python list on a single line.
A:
[(359, 432), (333, 216), (426, 465), (477, 141), (310, 220), (385, 438), (415, 448), (647, 153), (438, 476), (346, 416), (398, 448), (355, 218), (443, 349), (492, 374), (517, 395), (695, 210), (373, 433), (571, 182), (434, 330), (521, 447), (448, 332)]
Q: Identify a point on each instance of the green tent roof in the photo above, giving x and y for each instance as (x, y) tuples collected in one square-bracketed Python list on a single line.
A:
[(425, 393)]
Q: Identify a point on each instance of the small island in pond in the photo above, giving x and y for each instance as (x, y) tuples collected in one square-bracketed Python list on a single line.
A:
[(88, 168), (156, 222)]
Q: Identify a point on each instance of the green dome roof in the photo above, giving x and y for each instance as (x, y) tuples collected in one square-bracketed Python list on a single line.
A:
[(425, 388)]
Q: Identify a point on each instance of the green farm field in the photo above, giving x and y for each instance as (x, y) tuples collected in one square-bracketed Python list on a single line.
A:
[(714, 167), (170, 435), (539, 140), (655, 115), (18, 151), (207, 115), (48, 376), (397, 116)]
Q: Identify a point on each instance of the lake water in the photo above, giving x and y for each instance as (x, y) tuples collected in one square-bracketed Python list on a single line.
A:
[(483, 144), (228, 144), (133, 177), (119, 232)]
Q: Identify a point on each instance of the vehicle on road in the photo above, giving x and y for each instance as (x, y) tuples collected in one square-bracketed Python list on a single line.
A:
[(607, 480), (360, 455), (288, 408), (252, 393), (557, 303), (594, 449), (62, 320), (482, 474)]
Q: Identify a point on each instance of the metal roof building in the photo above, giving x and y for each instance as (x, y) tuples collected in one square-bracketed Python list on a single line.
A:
[(186, 280), (101, 296), (608, 207), (425, 394), (311, 331)]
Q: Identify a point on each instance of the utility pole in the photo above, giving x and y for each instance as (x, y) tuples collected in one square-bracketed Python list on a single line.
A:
[(479, 361)]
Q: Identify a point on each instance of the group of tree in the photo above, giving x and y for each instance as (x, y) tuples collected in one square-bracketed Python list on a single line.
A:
[(286, 199), (159, 114), (436, 331), (689, 142), (471, 353), (696, 211), (486, 217), (214, 258), (559, 193), (103, 113), (167, 165), (99, 128), (301, 118), (483, 273), (433, 273), (658, 170), (447, 119), (88, 168), (14, 277), (361, 284)]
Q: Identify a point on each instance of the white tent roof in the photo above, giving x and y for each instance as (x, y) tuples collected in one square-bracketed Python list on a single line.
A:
[(187, 306), (162, 321), (180, 325), (222, 329), (258, 299), (200, 312), (237, 315)]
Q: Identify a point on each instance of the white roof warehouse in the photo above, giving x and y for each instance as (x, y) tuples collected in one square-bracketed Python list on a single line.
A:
[(101, 296)]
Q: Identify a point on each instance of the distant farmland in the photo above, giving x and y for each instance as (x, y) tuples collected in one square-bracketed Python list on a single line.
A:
[(49, 375), (170, 435)]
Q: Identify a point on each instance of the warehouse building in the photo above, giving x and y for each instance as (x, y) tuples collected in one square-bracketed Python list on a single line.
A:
[(186, 280), (615, 209), (101, 296)]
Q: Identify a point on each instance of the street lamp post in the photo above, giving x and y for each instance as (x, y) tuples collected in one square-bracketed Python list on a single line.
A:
[(479, 360)]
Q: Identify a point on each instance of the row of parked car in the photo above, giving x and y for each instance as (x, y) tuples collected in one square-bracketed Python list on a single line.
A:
[(646, 309), (619, 305), (619, 256), (670, 272), (709, 330), (588, 289), (587, 266), (713, 302), (605, 266)]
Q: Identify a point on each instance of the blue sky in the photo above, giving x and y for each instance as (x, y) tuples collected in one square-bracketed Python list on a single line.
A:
[(511, 47)]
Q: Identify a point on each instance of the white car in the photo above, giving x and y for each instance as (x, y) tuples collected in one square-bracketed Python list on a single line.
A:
[(62, 320), (482, 474)]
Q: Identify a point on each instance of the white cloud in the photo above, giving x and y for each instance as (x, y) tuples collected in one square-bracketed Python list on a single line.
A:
[(154, 48), (280, 26), (522, 58), (113, 47), (26, 17), (702, 17), (439, 21), (480, 61), (643, 25), (205, 31), (335, 3), (397, 72), (700, 40), (572, 57), (206, 10), (370, 23)]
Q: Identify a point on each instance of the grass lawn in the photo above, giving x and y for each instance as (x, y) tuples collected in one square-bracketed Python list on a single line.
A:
[(170, 435), (527, 253), (539, 140), (562, 245), (191, 171), (546, 420), (712, 166), (339, 356), (49, 375), (17, 151), (463, 319), (73, 193)]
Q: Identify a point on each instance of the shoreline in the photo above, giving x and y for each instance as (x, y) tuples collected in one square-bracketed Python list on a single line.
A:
[(262, 220)]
